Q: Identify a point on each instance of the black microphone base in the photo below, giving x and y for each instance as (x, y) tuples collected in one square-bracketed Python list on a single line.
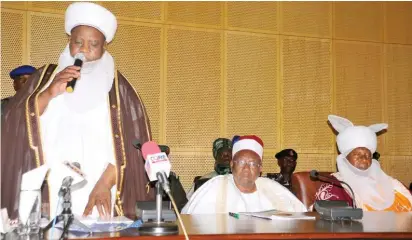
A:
[(337, 210), (158, 229)]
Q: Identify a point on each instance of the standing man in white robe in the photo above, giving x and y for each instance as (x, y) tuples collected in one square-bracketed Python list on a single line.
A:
[(94, 125), (243, 190)]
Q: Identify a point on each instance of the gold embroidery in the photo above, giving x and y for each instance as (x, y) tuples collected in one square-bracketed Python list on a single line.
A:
[(28, 123)]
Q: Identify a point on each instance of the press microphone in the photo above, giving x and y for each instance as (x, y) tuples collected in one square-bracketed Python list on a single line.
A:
[(79, 59), (336, 210), (158, 168), (315, 174), (157, 164)]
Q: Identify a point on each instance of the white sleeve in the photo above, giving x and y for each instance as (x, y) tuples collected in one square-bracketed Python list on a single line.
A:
[(203, 201)]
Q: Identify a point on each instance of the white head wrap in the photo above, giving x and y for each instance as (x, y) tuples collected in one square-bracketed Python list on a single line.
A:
[(372, 185), (93, 15), (248, 143)]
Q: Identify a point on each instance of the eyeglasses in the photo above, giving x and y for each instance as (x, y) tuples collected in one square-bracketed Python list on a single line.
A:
[(243, 163)]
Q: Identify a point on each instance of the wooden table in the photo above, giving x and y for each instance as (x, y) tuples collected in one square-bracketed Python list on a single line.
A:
[(374, 225)]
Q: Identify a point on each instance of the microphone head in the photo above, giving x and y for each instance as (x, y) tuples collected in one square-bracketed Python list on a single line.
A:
[(150, 148), (314, 173), (80, 56), (76, 164)]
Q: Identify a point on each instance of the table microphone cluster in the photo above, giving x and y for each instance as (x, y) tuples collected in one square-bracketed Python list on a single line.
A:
[(336, 210)]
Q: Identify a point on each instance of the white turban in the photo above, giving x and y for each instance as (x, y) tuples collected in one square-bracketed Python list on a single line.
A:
[(351, 137), (93, 15), (372, 187), (251, 142)]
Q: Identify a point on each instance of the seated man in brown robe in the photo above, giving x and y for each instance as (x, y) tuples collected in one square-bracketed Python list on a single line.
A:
[(94, 125)]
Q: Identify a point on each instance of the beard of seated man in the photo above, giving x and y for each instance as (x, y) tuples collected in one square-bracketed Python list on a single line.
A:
[(246, 167)]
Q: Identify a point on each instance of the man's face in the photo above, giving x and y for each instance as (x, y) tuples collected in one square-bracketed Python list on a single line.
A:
[(87, 40), (20, 81), (361, 158), (224, 156), (287, 164), (222, 162), (246, 167)]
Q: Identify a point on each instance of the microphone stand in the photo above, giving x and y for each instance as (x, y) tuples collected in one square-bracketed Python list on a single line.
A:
[(66, 215), (336, 210), (158, 227)]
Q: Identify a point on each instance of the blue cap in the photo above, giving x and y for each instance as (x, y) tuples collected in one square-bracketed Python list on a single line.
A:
[(22, 70)]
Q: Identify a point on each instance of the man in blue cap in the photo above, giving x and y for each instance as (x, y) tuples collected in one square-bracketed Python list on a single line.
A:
[(20, 75)]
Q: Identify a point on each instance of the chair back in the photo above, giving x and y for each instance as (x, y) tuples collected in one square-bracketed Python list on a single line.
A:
[(305, 188)]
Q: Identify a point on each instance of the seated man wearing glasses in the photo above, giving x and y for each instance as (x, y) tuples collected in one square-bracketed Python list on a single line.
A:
[(243, 190)]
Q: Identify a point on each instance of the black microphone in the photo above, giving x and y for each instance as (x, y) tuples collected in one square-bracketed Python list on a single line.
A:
[(315, 174), (79, 59)]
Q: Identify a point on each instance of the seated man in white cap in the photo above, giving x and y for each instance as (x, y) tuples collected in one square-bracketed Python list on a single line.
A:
[(94, 125), (243, 190), (374, 190)]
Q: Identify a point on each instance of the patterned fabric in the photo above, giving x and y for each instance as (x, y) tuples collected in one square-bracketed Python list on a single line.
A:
[(401, 204), (335, 192)]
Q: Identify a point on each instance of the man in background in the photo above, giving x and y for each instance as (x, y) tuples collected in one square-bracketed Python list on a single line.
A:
[(243, 190), (287, 162), (20, 75), (376, 156), (222, 153)]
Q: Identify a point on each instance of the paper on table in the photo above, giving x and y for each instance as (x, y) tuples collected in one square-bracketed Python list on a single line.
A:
[(112, 224), (275, 214), (30, 183), (32, 180)]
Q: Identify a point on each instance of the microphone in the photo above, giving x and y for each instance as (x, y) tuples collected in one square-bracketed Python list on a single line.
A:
[(79, 59), (158, 168), (157, 164), (66, 184), (315, 174)]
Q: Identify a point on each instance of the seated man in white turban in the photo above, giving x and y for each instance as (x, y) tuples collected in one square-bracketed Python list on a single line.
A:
[(94, 124), (374, 190), (243, 190)]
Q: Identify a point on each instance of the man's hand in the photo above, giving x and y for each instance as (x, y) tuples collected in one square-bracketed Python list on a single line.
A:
[(101, 198), (58, 86)]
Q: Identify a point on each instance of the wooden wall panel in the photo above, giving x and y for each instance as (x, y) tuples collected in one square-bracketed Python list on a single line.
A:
[(306, 18), (12, 47), (358, 21), (251, 87), (276, 69), (193, 83)]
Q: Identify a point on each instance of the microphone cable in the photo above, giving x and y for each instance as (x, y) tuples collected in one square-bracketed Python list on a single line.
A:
[(178, 214)]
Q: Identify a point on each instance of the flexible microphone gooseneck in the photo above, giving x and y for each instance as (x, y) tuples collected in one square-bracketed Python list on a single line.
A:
[(315, 174)]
